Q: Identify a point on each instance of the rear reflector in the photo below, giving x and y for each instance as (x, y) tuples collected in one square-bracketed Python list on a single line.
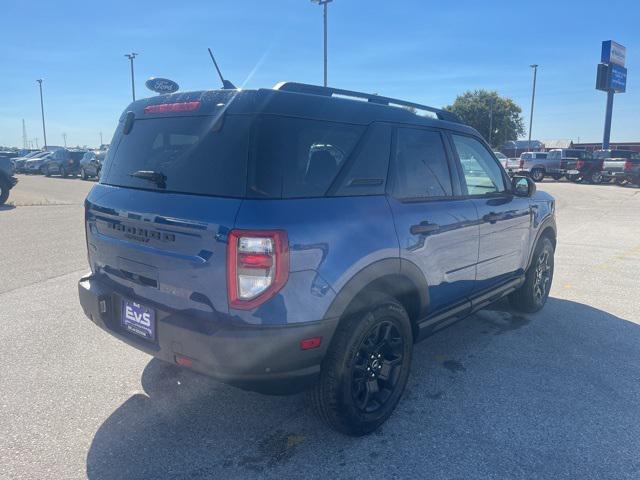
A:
[(172, 107), (309, 343), (184, 361)]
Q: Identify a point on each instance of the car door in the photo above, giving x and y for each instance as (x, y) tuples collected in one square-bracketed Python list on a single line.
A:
[(437, 229), (504, 219)]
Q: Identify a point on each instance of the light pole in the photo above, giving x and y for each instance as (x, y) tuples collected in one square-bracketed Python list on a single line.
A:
[(533, 98), (44, 130), (131, 56), (101, 143), (324, 8), (64, 139), (490, 121)]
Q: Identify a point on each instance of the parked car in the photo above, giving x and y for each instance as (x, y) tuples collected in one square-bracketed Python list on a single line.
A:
[(278, 239), (577, 165), (537, 165), (63, 162), (20, 162), (7, 178), (620, 165), (35, 165), (91, 164)]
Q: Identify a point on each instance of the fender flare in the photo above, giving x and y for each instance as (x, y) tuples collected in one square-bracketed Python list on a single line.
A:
[(398, 267), (549, 221)]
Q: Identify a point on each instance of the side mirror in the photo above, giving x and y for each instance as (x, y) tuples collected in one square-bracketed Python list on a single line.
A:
[(523, 186)]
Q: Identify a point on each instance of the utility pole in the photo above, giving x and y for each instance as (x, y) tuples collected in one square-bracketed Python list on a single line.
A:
[(131, 56), (101, 142), (533, 98), (25, 140), (324, 14), (44, 130), (490, 121), (64, 138)]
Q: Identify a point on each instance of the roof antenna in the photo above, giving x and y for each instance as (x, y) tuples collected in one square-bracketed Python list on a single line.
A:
[(226, 84)]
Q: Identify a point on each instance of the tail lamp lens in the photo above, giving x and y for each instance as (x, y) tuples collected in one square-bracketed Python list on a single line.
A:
[(257, 266), (579, 164), (172, 107), (628, 165)]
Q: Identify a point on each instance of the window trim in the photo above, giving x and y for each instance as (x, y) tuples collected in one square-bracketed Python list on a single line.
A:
[(391, 180), (463, 184)]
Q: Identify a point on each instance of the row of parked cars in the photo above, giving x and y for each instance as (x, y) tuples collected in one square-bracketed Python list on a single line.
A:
[(63, 162), (620, 166)]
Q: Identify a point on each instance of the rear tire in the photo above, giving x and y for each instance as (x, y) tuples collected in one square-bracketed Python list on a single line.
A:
[(533, 293), (4, 191), (83, 174), (537, 174), (365, 369), (63, 171), (556, 176)]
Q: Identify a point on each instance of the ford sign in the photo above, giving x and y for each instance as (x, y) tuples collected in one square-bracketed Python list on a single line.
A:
[(161, 85)]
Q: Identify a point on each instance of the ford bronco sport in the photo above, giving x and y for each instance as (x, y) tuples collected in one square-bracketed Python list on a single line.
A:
[(278, 239)]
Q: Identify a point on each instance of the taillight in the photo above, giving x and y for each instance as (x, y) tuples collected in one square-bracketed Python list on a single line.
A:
[(172, 107), (628, 165), (521, 163), (579, 164), (257, 266)]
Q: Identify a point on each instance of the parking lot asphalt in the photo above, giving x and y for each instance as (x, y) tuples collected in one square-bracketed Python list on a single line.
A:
[(498, 395)]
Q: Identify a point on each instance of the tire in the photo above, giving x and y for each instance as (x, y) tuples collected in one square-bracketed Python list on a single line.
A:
[(619, 181), (63, 171), (533, 293), (537, 174), (556, 176), (595, 177), (343, 398), (83, 174), (574, 178), (4, 191), (48, 172)]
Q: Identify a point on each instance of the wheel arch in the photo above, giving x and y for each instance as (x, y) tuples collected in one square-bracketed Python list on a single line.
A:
[(398, 278), (547, 230)]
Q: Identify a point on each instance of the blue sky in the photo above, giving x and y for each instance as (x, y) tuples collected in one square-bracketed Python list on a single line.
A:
[(424, 51)]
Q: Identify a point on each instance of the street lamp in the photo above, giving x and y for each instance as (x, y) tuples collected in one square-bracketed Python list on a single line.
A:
[(324, 7), (533, 97), (131, 56), (44, 130)]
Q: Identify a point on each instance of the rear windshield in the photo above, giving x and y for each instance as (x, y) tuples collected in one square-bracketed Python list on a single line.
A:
[(582, 154), (196, 154)]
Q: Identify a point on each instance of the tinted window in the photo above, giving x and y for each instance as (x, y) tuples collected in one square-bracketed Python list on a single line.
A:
[(293, 157), (541, 155), (420, 168), (366, 172), (194, 153), (582, 154), (482, 173)]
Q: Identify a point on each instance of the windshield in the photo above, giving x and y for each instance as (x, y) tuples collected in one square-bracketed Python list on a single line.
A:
[(193, 153)]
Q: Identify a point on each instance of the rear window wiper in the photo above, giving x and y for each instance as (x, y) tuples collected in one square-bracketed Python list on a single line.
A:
[(159, 178)]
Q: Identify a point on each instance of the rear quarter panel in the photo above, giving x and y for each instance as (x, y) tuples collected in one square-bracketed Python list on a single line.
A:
[(330, 240)]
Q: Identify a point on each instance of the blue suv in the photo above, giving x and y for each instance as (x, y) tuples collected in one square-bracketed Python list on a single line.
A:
[(304, 236)]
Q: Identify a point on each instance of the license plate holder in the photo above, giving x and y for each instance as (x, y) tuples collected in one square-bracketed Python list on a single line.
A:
[(138, 319)]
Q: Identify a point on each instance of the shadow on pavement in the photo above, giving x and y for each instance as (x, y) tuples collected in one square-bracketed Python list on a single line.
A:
[(553, 395), (7, 207)]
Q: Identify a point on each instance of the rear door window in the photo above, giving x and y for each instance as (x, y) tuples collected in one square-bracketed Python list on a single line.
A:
[(298, 158), (194, 153), (421, 169)]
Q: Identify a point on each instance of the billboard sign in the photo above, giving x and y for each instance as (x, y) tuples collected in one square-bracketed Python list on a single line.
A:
[(617, 78), (613, 52)]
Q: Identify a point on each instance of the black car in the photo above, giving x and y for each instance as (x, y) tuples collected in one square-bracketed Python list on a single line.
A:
[(577, 165), (63, 162), (7, 180), (91, 164)]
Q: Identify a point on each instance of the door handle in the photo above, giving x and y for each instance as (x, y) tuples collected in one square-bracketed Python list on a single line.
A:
[(424, 228), (492, 217)]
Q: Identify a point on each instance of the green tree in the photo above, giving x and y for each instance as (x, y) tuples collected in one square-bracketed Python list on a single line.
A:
[(485, 110)]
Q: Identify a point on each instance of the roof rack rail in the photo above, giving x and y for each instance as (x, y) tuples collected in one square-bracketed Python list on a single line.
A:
[(371, 98)]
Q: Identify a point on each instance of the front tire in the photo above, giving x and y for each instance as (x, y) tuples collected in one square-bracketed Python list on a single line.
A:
[(537, 174), (48, 171), (4, 191), (63, 171), (596, 177), (83, 174), (366, 368), (533, 293)]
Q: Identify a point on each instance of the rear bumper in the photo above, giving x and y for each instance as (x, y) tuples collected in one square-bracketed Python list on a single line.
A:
[(266, 359)]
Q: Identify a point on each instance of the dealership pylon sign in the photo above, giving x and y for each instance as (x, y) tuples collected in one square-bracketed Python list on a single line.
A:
[(611, 78)]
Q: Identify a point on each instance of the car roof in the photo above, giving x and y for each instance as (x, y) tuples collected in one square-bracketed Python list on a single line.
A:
[(312, 103)]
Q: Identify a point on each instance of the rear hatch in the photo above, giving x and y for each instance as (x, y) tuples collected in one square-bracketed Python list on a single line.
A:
[(159, 237)]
